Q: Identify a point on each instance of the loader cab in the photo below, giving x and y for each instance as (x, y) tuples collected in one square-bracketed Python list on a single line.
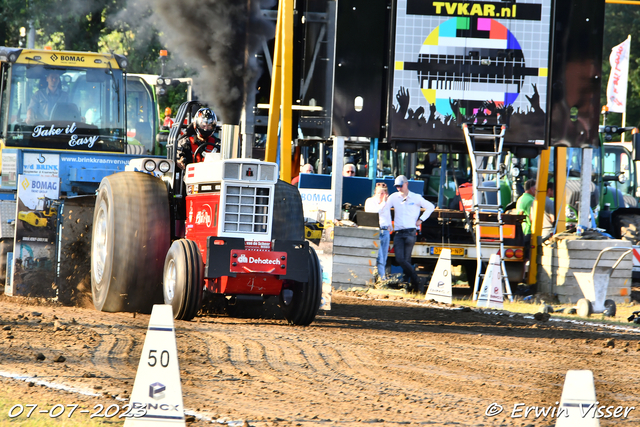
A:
[(87, 113)]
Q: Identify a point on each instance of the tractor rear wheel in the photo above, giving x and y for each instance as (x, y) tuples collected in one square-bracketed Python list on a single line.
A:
[(301, 302), (183, 279), (129, 242)]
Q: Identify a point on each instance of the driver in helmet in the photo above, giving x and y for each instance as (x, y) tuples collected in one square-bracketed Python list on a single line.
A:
[(204, 125)]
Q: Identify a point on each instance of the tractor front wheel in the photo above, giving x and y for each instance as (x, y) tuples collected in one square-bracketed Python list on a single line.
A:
[(301, 301), (183, 279), (129, 242)]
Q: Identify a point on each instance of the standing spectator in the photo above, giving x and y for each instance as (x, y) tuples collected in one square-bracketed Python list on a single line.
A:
[(307, 168), (523, 207), (407, 220), (349, 170), (376, 203), (168, 121), (549, 211)]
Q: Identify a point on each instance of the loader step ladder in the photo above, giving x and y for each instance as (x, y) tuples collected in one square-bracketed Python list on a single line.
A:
[(486, 164)]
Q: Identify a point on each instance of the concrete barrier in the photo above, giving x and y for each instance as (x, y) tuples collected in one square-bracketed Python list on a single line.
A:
[(355, 250), (557, 263)]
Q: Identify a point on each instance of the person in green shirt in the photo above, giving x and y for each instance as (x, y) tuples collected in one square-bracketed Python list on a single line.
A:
[(523, 207), (524, 203)]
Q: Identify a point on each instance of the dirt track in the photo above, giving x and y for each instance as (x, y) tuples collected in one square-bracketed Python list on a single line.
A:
[(366, 361)]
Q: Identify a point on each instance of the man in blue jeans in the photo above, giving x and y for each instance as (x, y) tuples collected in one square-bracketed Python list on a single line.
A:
[(407, 220), (376, 203)]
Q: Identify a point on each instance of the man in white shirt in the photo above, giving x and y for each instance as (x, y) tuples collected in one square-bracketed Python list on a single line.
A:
[(376, 204), (407, 220)]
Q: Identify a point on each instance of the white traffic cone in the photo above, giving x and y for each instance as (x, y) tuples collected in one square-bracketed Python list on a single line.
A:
[(440, 284), (156, 399), (491, 294)]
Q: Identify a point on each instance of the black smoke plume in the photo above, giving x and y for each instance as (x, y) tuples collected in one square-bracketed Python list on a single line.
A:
[(219, 39)]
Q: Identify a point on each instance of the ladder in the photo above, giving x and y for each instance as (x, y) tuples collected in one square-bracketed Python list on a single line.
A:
[(483, 165)]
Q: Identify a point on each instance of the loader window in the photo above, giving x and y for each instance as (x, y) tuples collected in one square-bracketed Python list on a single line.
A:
[(574, 162), (84, 112), (458, 171), (141, 114), (616, 161)]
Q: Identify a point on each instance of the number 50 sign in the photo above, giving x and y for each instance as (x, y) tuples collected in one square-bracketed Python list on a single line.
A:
[(157, 387)]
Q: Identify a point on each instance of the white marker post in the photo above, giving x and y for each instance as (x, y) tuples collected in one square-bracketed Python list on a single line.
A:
[(491, 292), (157, 387), (578, 402), (440, 284)]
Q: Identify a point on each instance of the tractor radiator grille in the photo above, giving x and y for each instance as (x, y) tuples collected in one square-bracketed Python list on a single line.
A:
[(246, 209)]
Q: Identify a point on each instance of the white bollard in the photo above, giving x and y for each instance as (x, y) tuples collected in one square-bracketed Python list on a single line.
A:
[(440, 283), (578, 405), (156, 399), (491, 294)]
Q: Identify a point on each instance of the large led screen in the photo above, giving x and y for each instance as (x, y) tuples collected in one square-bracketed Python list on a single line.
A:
[(474, 62)]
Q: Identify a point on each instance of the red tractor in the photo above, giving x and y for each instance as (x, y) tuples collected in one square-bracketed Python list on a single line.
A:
[(228, 229)]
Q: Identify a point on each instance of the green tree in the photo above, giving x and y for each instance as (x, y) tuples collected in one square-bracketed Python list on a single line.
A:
[(81, 22), (87, 25), (13, 16)]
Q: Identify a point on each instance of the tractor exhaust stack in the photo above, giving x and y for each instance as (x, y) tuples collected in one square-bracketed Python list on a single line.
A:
[(230, 141)]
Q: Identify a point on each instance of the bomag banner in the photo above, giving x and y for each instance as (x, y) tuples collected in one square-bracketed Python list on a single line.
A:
[(34, 251), (479, 62)]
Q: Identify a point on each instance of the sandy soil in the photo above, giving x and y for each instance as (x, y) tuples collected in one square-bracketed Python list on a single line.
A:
[(367, 361)]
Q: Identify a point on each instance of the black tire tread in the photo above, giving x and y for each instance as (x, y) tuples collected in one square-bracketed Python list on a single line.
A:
[(139, 228), (189, 278), (194, 284), (307, 296)]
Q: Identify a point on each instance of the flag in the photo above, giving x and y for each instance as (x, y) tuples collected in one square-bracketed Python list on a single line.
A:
[(619, 77)]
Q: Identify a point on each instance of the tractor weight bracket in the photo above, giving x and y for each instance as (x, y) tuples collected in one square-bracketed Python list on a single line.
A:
[(297, 259), (219, 256)]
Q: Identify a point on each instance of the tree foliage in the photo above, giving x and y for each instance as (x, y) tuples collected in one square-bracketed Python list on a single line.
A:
[(13, 16), (86, 25)]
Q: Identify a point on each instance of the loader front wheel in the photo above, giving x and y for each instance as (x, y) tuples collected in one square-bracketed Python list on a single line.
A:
[(129, 242), (183, 279)]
